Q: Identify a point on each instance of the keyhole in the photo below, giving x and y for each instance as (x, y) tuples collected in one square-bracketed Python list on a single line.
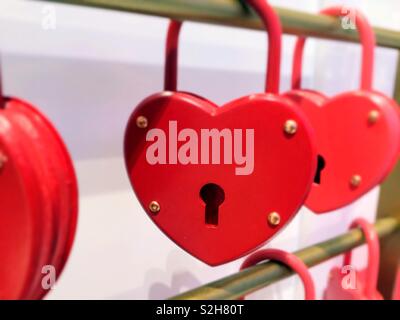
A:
[(320, 167), (213, 196)]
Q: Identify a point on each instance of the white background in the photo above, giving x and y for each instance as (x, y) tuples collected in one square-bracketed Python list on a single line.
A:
[(88, 74)]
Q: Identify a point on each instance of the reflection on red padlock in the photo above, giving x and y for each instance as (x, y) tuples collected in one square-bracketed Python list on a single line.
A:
[(349, 127), (346, 283), (288, 259), (196, 194)]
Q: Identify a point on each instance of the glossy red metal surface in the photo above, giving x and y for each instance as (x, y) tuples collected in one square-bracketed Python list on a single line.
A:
[(358, 132), (37, 151), (209, 208), (20, 230), (67, 196), (362, 284), (62, 179), (53, 188)]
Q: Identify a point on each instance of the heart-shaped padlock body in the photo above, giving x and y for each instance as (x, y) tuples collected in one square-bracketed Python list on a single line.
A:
[(56, 173), (211, 202), (358, 132), (31, 140), (340, 289), (357, 141), (45, 189), (20, 232)]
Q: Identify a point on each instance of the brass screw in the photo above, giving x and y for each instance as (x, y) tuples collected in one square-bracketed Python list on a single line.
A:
[(373, 116), (355, 180), (142, 122), (3, 160), (290, 127), (154, 207), (274, 219)]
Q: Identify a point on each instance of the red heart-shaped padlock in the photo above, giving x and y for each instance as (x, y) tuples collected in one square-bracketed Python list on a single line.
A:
[(57, 174), (357, 132), (21, 206), (39, 200), (288, 259), (346, 283), (37, 152), (220, 181)]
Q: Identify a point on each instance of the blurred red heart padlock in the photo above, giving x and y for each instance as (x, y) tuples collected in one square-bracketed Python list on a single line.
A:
[(220, 210), (288, 259), (358, 132), (347, 283), (39, 201), (20, 230), (58, 176)]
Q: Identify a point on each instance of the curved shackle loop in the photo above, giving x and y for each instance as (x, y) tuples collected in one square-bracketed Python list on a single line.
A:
[(367, 38), (372, 240), (288, 259), (272, 24)]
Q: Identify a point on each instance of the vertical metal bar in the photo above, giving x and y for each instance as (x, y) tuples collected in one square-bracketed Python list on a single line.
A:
[(389, 206)]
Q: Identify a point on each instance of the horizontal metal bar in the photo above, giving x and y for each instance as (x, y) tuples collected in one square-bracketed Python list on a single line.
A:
[(232, 13), (264, 274)]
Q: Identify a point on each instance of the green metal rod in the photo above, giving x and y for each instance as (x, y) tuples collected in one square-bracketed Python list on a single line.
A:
[(264, 274), (397, 82), (231, 13)]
